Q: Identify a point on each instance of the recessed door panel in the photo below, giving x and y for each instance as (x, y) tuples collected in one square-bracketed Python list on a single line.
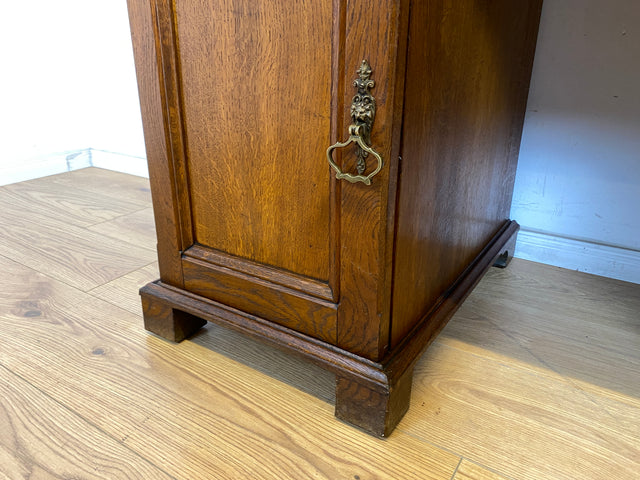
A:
[(253, 94), (256, 108)]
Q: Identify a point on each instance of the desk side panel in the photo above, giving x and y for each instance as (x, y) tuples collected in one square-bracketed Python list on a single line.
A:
[(468, 71)]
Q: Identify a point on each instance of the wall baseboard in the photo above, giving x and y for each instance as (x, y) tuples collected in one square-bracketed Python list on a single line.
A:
[(120, 162), (604, 260), (43, 166), (54, 163)]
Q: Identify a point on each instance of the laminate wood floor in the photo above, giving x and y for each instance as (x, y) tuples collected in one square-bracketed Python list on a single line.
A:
[(536, 377)]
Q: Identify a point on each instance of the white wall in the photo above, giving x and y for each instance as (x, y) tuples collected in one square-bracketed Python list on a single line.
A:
[(577, 192), (67, 85)]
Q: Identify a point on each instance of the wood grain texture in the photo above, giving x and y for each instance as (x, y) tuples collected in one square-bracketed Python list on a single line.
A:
[(43, 439), (72, 254), (523, 425), (405, 355), (470, 471), (533, 371), (168, 59), (242, 91), (263, 299), (79, 207), (468, 69), (226, 138), (239, 126), (374, 411), (373, 396), (188, 410), (159, 155), (123, 291), (274, 275), (373, 30), (136, 228), (550, 404), (580, 334), (101, 183), (321, 353), (257, 120), (168, 322)]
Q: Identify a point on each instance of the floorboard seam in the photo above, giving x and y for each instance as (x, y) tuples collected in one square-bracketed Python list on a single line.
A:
[(86, 420), (455, 472)]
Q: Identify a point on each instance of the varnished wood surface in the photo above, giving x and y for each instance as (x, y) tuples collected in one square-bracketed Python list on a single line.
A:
[(256, 113), (260, 271), (250, 98), (535, 378), (162, 176), (264, 299), (374, 30), (373, 396), (466, 91), (79, 350)]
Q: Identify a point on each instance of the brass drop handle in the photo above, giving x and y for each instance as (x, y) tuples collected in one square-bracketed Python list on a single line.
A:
[(363, 111), (354, 137)]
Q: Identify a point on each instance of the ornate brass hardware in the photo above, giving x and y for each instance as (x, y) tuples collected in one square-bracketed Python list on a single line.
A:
[(357, 137), (363, 112)]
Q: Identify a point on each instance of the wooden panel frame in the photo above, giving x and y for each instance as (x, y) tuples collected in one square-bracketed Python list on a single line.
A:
[(372, 395), (162, 176), (361, 217), (155, 51), (368, 212), (343, 324), (264, 272), (468, 72), (260, 297)]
